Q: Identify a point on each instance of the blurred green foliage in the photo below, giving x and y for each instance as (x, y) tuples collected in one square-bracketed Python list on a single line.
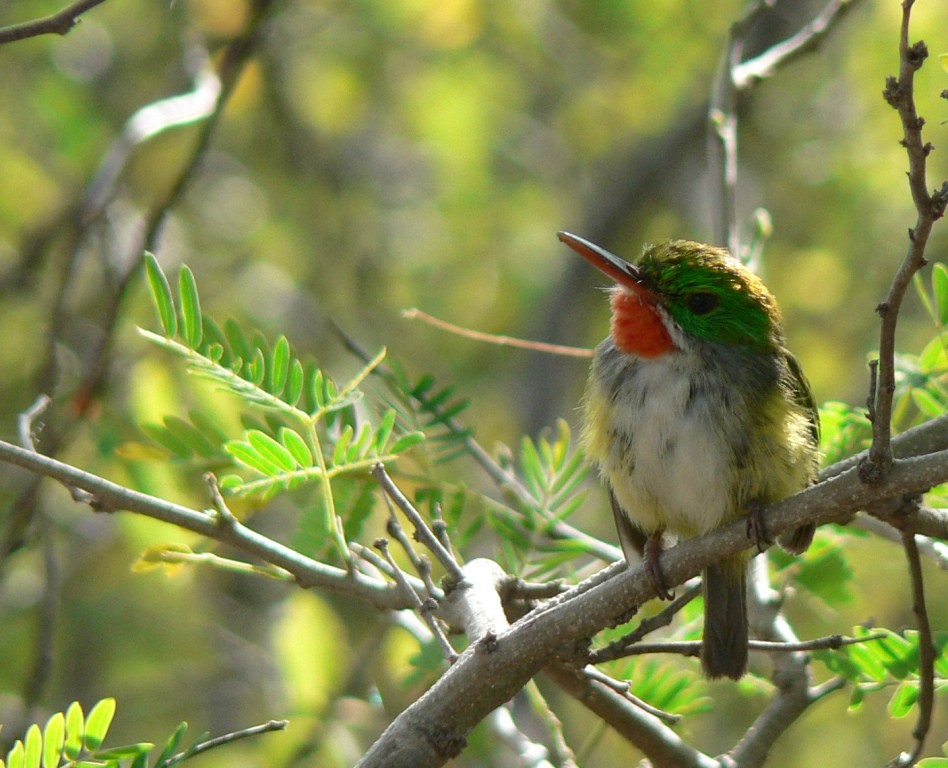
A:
[(385, 154)]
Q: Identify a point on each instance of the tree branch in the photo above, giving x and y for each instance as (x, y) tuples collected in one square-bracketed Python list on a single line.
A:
[(106, 496), (900, 94), (56, 24), (735, 77), (434, 728)]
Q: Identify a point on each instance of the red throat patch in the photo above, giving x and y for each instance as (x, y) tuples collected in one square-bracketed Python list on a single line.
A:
[(637, 327)]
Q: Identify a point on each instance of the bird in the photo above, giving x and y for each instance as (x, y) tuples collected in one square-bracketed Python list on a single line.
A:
[(695, 414)]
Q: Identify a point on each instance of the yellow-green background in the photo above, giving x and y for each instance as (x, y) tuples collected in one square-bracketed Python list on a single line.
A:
[(384, 154)]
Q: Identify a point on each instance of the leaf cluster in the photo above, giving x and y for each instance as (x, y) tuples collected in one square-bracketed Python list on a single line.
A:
[(301, 428), (889, 663), (72, 739)]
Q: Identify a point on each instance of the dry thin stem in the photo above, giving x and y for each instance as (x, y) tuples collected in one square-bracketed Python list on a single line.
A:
[(491, 338)]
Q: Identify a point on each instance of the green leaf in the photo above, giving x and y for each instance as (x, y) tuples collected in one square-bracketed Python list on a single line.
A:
[(161, 295), (406, 441), (244, 453), (927, 403), (190, 308), (33, 747), (237, 341), (16, 757), (54, 735), (257, 369), (342, 444), (294, 383), (903, 699), (279, 365), (271, 450), (940, 289), (140, 761), (124, 752), (190, 435), (167, 440), (171, 745), (297, 447), (384, 430), (75, 727), (98, 722)]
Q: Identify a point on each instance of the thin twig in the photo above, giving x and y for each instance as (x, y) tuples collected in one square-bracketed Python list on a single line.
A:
[(563, 754), (56, 24), (735, 77), (230, 738), (504, 479), (622, 687), (618, 648), (899, 93), (498, 340), (106, 496), (423, 533), (26, 419), (926, 655), (425, 611)]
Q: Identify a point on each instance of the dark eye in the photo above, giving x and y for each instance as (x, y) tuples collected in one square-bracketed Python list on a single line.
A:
[(702, 303)]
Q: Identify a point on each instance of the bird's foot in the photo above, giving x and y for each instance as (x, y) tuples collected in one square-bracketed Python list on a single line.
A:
[(756, 527), (653, 569)]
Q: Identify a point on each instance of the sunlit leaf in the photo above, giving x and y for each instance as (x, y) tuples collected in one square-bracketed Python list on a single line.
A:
[(279, 365), (294, 383), (940, 290), (271, 450), (904, 698), (927, 403), (297, 447), (16, 756), (407, 441), (171, 745), (161, 295), (32, 747), (384, 430), (245, 454), (54, 736), (124, 752), (98, 723), (75, 728), (190, 308)]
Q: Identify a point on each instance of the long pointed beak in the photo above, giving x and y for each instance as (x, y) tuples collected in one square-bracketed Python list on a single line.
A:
[(618, 269)]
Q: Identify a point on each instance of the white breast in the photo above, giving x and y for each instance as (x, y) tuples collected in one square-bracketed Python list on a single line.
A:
[(670, 467)]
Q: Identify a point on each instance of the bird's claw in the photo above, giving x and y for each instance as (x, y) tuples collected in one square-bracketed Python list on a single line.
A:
[(756, 527), (653, 569)]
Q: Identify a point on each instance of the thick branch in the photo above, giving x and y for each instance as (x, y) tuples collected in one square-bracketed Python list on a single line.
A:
[(434, 728)]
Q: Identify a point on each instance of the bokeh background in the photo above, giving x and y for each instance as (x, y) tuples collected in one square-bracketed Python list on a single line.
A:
[(386, 154)]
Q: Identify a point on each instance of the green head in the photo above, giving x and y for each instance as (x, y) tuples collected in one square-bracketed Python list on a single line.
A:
[(709, 295)]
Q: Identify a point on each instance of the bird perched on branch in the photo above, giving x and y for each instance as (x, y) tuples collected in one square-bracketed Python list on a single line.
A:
[(696, 414)]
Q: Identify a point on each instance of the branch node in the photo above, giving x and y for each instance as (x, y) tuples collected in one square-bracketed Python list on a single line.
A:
[(488, 642), (892, 93), (916, 54)]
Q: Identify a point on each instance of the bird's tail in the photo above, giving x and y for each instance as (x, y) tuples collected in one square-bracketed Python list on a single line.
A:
[(724, 648)]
